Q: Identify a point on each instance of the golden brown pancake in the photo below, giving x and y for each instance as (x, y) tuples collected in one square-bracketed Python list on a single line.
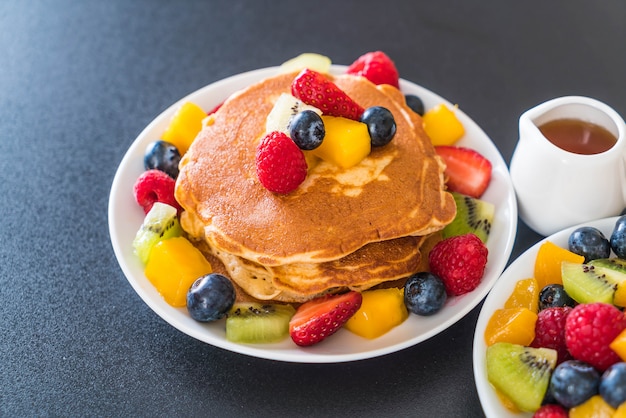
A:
[(341, 229), (370, 265), (396, 191)]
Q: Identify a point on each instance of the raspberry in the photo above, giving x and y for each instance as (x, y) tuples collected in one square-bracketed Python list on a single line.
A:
[(589, 329), (280, 164), (460, 262), (550, 411), (155, 186), (550, 331), (377, 67)]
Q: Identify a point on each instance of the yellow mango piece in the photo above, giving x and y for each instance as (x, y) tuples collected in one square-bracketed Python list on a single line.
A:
[(619, 345), (380, 311), (184, 126), (173, 266), (442, 126), (514, 325), (525, 295), (346, 142), (594, 407), (548, 263), (620, 412), (619, 298)]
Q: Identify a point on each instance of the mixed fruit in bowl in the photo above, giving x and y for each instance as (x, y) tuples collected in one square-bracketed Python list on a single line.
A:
[(302, 124), (557, 346)]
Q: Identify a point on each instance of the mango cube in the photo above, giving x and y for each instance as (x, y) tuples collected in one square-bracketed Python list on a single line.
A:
[(512, 325), (619, 298), (548, 263), (619, 345), (173, 266), (595, 407), (620, 412), (380, 311), (184, 126), (525, 295), (346, 142), (442, 126)]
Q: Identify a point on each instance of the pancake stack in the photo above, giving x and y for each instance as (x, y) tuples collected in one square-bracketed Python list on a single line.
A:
[(352, 228)]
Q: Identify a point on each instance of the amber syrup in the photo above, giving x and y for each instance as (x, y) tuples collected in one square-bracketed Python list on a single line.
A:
[(578, 136)]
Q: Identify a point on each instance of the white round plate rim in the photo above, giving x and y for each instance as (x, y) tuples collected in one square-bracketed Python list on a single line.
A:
[(125, 217), (521, 268)]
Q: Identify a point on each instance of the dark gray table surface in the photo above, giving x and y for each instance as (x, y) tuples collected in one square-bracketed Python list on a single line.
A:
[(80, 79)]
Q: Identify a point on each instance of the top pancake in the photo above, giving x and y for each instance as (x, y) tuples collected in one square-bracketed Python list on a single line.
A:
[(398, 190)]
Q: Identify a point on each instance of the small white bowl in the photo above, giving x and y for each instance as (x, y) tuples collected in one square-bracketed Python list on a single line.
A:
[(521, 268)]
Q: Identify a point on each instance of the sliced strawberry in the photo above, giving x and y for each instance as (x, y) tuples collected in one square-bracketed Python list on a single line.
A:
[(377, 67), (468, 172), (316, 90), (321, 317)]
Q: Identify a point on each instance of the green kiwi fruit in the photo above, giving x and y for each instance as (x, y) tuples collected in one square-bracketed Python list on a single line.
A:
[(285, 108), (521, 373), (254, 323), (472, 215), (591, 282), (616, 264), (160, 223)]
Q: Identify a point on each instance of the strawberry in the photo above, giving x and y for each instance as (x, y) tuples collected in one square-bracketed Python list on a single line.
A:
[(377, 67), (321, 317), (155, 186), (459, 261), (280, 164), (316, 90), (467, 171)]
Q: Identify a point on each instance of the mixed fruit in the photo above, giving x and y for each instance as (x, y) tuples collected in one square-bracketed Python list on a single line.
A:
[(557, 347), (316, 121)]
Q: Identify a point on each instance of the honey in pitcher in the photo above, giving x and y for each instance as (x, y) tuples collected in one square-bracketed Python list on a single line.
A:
[(578, 136)]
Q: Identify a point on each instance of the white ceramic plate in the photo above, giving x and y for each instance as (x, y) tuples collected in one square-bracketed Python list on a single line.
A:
[(125, 217), (521, 268)]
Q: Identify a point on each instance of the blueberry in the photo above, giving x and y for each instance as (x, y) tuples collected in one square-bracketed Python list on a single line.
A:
[(573, 382), (415, 103), (589, 242), (307, 130), (380, 124), (554, 296), (618, 237), (162, 155), (424, 293), (210, 297), (613, 385)]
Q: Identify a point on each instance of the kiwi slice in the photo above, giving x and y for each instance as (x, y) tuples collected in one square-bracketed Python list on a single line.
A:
[(254, 323), (521, 373), (285, 108), (472, 215), (616, 264), (160, 223), (588, 283), (617, 275)]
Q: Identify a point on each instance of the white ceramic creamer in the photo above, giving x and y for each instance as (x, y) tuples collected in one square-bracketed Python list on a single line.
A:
[(555, 188)]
